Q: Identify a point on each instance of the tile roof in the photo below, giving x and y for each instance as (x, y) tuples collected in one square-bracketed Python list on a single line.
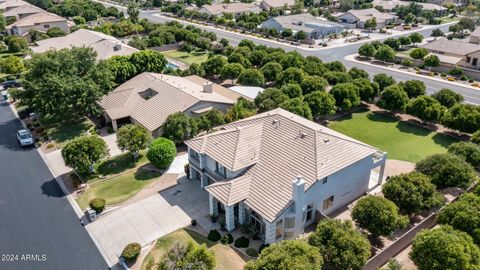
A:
[(451, 47), (217, 9), (168, 95), (304, 22), (7, 4), (21, 10), (289, 145), (391, 4), (279, 3), (365, 14), (37, 18), (231, 192), (106, 46), (476, 32)]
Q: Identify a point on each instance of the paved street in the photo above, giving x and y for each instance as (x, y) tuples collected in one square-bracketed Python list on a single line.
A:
[(38, 227)]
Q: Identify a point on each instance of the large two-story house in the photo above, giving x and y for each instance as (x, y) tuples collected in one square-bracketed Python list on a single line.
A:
[(278, 172)]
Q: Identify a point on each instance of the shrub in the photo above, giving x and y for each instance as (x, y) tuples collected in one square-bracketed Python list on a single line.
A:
[(110, 130), (242, 242), (131, 251), (443, 75), (161, 153), (227, 239), (451, 79), (186, 168), (97, 204), (262, 247), (407, 62), (214, 236), (455, 71), (252, 252)]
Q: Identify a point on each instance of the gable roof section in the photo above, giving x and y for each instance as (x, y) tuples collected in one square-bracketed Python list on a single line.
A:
[(365, 14), (454, 47), (23, 9), (304, 22), (231, 192), (37, 18), (476, 32), (289, 146), (279, 3), (9, 4), (217, 9)]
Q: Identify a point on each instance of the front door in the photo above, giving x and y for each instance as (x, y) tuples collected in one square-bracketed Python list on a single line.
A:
[(474, 62)]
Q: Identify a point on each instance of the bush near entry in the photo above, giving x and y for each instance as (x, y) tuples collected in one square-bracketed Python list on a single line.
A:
[(242, 242), (214, 236), (97, 204), (131, 251), (161, 153)]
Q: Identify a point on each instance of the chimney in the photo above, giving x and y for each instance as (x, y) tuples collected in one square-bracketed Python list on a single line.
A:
[(208, 87), (298, 192)]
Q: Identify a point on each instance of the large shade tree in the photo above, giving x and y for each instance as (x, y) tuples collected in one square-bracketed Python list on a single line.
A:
[(83, 152), (133, 138)]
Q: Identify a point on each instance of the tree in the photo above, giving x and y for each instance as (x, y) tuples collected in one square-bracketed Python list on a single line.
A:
[(341, 245), (133, 138), (346, 95), (231, 71), (286, 255), (66, 82), (447, 97), (444, 248), (404, 41), (393, 98), (55, 32), (414, 88), (133, 11), (191, 256), (290, 75), (468, 151), (336, 66), (467, 23), (357, 73), (179, 127), (269, 99), (298, 107), (11, 65), (431, 61), (292, 90), (271, 70), (418, 53), (213, 66), (437, 33), (463, 117), (300, 35), (426, 108), (392, 43), (385, 54), (367, 50), (475, 137), (336, 77), (83, 152), (410, 18), (412, 192), (415, 38), (211, 119), (161, 152), (321, 103), (378, 215), (313, 83), (251, 77), (287, 33), (17, 44), (241, 109), (371, 23), (366, 89), (446, 170), (148, 60), (383, 80), (121, 68)]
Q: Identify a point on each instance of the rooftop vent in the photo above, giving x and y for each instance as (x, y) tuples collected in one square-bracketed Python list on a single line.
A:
[(148, 94), (117, 47), (326, 140), (275, 123), (302, 134), (208, 87)]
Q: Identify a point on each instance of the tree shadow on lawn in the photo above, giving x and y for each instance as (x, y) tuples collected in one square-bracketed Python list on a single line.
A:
[(200, 239), (376, 117), (143, 174), (117, 164), (406, 127), (444, 140)]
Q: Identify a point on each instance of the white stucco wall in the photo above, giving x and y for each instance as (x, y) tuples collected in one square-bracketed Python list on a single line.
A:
[(43, 27)]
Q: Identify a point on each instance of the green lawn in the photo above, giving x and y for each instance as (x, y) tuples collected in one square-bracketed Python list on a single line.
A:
[(119, 188), (225, 257), (400, 140), (63, 130), (187, 57)]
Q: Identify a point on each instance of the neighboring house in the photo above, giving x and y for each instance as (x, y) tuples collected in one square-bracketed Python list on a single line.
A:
[(23, 11), (235, 9), (475, 36), (276, 4), (39, 21), (278, 172), (358, 17), (455, 53), (6, 5), (149, 98), (315, 28), (106, 46), (389, 5), (248, 92), (443, 2)]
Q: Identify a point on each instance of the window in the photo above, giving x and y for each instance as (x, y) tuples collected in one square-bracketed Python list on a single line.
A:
[(279, 229), (290, 222), (468, 59), (220, 169), (310, 212), (474, 61), (194, 155), (327, 203), (46, 26), (325, 180)]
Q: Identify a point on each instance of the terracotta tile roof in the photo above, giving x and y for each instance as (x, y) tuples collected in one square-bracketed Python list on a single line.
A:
[(106, 46), (231, 192), (166, 95), (289, 146)]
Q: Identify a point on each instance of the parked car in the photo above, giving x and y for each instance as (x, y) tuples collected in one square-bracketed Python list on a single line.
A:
[(11, 83), (25, 138)]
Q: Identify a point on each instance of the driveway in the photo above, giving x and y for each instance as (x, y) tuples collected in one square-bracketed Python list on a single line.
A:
[(150, 218)]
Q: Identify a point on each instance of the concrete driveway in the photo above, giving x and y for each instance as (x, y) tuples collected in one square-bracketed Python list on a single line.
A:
[(150, 218)]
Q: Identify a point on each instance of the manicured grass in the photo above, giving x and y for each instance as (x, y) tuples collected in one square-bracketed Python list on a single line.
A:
[(400, 140), (63, 130), (119, 188), (225, 257), (187, 57)]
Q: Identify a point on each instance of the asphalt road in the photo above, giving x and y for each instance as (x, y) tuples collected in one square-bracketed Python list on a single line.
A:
[(38, 228)]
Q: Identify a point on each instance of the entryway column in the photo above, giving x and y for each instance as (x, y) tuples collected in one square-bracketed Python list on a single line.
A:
[(114, 125), (212, 203), (241, 213), (203, 180), (229, 218), (269, 232), (382, 170)]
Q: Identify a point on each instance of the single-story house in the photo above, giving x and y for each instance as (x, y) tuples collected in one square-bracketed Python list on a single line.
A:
[(235, 9), (314, 27), (39, 21), (277, 172), (149, 98), (6, 5), (454, 52), (389, 5), (23, 11), (106, 46), (457, 3), (276, 4), (475, 36), (358, 17)]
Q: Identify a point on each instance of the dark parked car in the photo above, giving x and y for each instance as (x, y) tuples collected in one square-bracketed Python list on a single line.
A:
[(11, 83)]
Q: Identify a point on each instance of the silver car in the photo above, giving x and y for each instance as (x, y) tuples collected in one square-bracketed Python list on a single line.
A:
[(25, 138)]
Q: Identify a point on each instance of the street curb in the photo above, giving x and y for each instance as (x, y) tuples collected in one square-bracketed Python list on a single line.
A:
[(351, 58)]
